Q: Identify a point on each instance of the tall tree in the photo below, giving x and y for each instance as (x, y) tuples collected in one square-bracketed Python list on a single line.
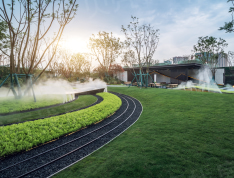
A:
[(105, 48), (230, 58), (4, 42), (129, 58), (4, 37), (208, 50), (228, 26), (141, 42), (115, 69), (81, 65), (28, 26), (71, 66)]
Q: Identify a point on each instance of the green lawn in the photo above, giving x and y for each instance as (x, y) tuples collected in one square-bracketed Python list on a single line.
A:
[(82, 101), (10, 104), (179, 134)]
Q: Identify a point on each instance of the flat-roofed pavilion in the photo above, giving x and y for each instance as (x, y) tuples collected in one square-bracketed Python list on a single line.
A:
[(173, 74)]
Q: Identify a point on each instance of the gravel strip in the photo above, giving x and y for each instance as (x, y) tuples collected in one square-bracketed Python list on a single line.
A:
[(132, 114), (62, 140)]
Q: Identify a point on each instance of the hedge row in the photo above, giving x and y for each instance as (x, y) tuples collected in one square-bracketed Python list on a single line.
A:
[(23, 136), (10, 104)]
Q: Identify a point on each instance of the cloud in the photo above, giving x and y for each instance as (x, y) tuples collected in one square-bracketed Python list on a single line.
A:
[(180, 22), (180, 29)]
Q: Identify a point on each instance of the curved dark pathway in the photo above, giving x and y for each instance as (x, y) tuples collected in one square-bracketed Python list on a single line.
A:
[(49, 159)]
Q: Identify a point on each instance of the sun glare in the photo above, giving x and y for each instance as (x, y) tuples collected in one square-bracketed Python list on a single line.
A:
[(74, 45)]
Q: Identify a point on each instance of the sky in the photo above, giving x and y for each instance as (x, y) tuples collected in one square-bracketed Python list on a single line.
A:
[(180, 23)]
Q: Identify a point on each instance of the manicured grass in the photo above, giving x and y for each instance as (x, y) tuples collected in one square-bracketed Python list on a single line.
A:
[(179, 134), (10, 104), (82, 101)]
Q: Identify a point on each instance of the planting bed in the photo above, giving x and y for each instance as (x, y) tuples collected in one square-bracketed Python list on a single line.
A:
[(46, 160), (23, 136)]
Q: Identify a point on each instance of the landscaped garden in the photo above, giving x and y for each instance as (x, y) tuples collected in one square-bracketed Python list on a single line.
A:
[(179, 134), (82, 101), (23, 136), (169, 111)]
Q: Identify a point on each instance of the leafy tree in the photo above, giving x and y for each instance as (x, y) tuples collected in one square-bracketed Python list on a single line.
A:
[(28, 27), (141, 43), (228, 26), (208, 50), (143, 40), (114, 69), (99, 72), (4, 37), (81, 65), (3, 43), (71, 66), (105, 48), (129, 58), (230, 58)]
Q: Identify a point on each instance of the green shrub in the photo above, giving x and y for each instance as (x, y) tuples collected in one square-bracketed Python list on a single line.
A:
[(23, 136)]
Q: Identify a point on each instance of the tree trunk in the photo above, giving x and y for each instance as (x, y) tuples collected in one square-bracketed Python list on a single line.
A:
[(18, 67), (213, 74), (12, 62)]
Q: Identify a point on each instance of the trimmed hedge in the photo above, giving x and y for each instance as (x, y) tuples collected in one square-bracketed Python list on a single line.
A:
[(10, 104), (23, 136)]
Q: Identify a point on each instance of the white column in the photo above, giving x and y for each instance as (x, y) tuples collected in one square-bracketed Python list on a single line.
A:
[(155, 77)]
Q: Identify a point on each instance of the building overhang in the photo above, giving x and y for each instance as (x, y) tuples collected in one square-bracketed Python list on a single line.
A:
[(170, 67)]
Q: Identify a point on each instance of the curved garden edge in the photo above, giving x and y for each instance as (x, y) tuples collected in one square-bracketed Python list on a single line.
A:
[(99, 100), (131, 115), (136, 119), (49, 129)]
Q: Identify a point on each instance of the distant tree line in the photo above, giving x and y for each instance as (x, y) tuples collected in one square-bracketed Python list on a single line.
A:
[(139, 46)]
